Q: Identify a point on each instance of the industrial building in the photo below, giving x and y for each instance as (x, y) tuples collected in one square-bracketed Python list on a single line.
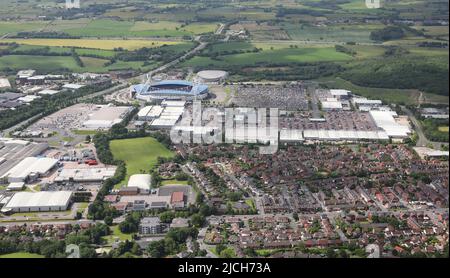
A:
[(30, 169), (38, 201), (385, 121), (170, 90), (13, 151), (85, 174), (105, 116), (149, 113)]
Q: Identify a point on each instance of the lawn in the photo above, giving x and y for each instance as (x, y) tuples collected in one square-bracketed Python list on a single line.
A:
[(40, 63), (166, 182), (21, 255), (139, 154), (116, 233), (94, 43)]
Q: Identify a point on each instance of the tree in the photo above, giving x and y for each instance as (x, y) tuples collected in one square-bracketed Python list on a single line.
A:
[(156, 249), (108, 220), (197, 220)]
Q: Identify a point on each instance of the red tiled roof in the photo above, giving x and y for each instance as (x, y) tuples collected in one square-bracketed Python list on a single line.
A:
[(177, 197)]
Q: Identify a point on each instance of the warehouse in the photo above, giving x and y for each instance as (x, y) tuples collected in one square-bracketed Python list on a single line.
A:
[(331, 104), (291, 135), (38, 201), (85, 174), (149, 113), (30, 169), (13, 151), (343, 135), (385, 120), (105, 116)]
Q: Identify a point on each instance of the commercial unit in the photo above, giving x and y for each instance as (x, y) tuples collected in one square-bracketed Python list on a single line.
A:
[(85, 174), (150, 113), (38, 201), (105, 116), (331, 104), (30, 169), (385, 120)]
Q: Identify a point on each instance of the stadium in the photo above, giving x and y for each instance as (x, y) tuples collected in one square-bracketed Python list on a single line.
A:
[(170, 90)]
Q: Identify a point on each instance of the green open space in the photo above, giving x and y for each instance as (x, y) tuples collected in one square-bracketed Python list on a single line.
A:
[(116, 234), (21, 255), (139, 154)]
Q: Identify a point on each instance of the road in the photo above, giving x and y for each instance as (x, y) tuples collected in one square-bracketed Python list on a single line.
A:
[(164, 67), (422, 141)]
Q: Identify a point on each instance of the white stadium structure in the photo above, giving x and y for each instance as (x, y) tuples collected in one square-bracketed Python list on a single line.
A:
[(212, 75)]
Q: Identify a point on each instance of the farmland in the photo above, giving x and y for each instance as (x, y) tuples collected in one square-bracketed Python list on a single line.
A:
[(93, 43), (139, 154)]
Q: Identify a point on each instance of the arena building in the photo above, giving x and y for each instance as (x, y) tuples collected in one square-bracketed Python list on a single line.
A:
[(170, 90), (210, 76)]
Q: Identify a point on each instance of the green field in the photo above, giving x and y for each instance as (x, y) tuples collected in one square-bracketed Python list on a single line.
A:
[(116, 234), (276, 54), (129, 28), (139, 154), (21, 255), (443, 128), (46, 64), (166, 182)]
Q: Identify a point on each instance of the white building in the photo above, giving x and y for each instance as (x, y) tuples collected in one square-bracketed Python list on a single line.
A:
[(29, 169), (38, 201), (385, 120), (141, 181)]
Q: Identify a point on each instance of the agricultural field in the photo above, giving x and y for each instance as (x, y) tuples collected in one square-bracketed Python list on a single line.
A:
[(93, 43), (48, 64), (139, 154), (271, 53), (129, 28)]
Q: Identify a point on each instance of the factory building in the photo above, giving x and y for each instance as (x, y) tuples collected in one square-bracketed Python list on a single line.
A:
[(30, 169), (38, 201)]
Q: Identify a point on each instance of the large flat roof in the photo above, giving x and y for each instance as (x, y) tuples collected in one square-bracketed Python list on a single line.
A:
[(39, 199), (38, 165)]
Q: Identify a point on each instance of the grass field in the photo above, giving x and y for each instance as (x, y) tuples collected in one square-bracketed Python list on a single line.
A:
[(116, 234), (273, 54), (166, 182), (93, 43), (443, 128), (21, 255), (139, 154), (129, 28), (47, 64)]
